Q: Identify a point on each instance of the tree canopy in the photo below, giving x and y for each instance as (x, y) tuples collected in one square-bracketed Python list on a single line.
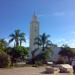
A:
[(18, 36), (68, 52)]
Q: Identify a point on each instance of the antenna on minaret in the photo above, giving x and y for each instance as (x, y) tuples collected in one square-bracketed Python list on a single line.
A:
[(34, 18), (34, 14)]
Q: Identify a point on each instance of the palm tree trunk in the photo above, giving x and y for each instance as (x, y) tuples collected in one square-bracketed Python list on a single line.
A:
[(17, 43), (69, 60), (33, 58), (20, 42), (43, 48)]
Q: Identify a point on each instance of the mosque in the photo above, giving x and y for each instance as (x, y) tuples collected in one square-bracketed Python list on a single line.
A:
[(34, 32)]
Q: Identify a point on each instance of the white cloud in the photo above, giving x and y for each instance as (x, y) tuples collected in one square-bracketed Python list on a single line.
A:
[(52, 14), (59, 14), (62, 41), (66, 13), (44, 15), (73, 32), (26, 44), (11, 44)]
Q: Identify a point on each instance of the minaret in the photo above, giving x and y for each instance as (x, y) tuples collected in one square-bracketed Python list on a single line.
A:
[(34, 32)]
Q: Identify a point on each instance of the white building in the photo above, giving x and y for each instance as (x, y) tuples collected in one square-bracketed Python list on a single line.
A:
[(55, 55)]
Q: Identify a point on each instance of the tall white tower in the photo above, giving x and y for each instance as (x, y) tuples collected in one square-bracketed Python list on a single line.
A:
[(34, 32)]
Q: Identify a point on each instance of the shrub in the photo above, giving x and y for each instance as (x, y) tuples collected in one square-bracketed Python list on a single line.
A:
[(62, 60), (21, 51), (38, 63), (4, 59), (17, 54)]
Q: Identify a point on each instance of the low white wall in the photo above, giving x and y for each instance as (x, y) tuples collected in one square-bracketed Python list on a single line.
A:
[(54, 56)]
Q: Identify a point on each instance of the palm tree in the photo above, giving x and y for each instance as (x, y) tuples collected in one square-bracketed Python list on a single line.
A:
[(17, 36), (43, 41), (44, 44), (67, 52), (22, 38), (33, 56)]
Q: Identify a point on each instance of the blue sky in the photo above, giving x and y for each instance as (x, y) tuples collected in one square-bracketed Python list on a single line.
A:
[(56, 17)]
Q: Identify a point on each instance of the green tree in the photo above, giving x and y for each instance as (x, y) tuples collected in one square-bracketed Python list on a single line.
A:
[(44, 44), (3, 44), (22, 51), (17, 36), (16, 53), (67, 52), (4, 59), (33, 56), (22, 38)]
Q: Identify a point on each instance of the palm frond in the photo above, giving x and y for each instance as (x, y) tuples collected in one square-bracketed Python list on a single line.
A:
[(22, 37), (12, 35), (37, 39), (33, 52), (17, 33), (11, 40), (17, 30)]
